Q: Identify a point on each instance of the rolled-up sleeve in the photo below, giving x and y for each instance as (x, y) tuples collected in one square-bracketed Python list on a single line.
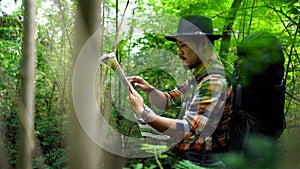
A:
[(174, 97)]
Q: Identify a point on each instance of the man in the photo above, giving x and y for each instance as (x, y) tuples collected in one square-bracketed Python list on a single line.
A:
[(206, 107)]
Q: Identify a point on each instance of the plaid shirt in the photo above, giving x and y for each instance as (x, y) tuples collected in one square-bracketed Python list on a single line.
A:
[(205, 110)]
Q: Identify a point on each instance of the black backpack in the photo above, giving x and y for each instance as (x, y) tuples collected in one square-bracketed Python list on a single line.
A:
[(258, 90)]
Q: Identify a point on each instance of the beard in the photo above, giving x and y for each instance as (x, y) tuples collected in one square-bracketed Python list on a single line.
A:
[(194, 64), (190, 67)]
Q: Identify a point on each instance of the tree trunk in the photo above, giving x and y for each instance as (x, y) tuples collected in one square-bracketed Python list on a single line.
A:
[(26, 102), (227, 30), (84, 153)]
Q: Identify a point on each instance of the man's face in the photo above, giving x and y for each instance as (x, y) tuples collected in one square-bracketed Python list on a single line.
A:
[(189, 58)]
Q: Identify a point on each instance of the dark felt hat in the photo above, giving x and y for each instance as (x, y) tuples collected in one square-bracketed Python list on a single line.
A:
[(194, 25)]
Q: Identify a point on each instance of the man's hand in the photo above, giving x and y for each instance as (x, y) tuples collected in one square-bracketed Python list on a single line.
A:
[(140, 83), (136, 101)]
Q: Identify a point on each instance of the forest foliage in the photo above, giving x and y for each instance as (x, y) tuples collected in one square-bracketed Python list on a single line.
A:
[(142, 51)]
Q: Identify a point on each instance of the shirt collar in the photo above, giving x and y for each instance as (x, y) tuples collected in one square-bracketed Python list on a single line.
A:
[(214, 66)]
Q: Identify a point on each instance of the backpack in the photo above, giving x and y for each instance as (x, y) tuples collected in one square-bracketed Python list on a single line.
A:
[(258, 91)]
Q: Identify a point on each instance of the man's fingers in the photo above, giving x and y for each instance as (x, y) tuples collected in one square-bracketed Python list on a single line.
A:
[(129, 78), (131, 94), (135, 78), (132, 77), (132, 91), (131, 88), (137, 85), (133, 82)]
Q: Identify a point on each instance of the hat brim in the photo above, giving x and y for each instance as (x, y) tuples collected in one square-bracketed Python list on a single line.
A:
[(209, 36)]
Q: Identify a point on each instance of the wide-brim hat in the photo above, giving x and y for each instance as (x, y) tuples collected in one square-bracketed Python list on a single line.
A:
[(195, 25)]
